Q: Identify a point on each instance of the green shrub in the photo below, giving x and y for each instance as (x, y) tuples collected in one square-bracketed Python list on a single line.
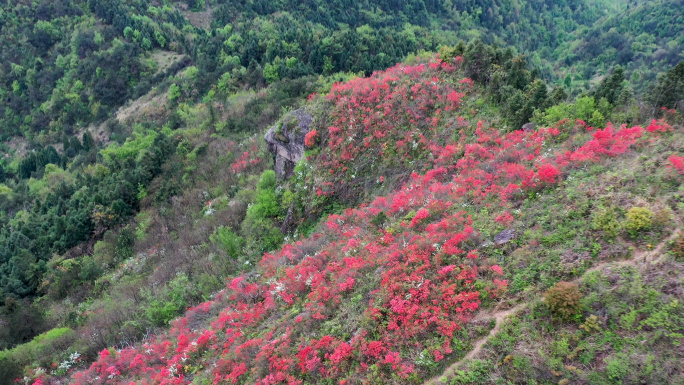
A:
[(9, 368), (606, 220), (266, 204), (229, 241), (132, 148), (591, 324), (103, 251), (638, 219), (174, 92), (167, 306), (259, 227), (667, 321), (124, 244), (617, 368), (478, 372), (38, 352), (262, 235), (564, 300), (379, 219), (90, 269)]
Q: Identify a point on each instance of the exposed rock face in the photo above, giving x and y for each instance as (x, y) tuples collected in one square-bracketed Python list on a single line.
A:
[(504, 237), (529, 127), (286, 141)]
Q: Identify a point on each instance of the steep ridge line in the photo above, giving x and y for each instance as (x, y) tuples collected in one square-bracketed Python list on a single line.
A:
[(641, 257)]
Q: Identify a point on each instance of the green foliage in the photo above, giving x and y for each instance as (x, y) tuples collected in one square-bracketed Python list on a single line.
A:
[(667, 322), (271, 73), (191, 73), (380, 219), (584, 108), (478, 372), (266, 203), (171, 302), (168, 189), (133, 147), (670, 89), (174, 92), (161, 40), (40, 351), (611, 86), (591, 324), (90, 269), (22, 320), (617, 368), (606, 220), (229, 241), (259, 226), (41, 345), (638, 219), (627, 320), (88, 141), (67, 208), (124, 244)]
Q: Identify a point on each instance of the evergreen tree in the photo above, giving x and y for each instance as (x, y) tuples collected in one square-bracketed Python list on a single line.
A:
[(670, 89), (88, 141), (611, 86)]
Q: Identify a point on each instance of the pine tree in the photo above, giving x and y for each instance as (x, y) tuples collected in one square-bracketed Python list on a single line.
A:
[(611, 86), (88, 141)]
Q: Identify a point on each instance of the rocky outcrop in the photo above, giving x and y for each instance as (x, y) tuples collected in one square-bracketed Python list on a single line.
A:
[(504, 237), (286, 141), (527, 127)]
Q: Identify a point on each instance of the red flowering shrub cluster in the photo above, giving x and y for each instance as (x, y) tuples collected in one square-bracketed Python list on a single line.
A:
[(418, 278), (311, 138), (246, 160), (548, 173), (677, 162), (390, 120)]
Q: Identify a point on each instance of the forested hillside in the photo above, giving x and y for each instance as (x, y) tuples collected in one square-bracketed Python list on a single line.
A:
[(146, 237)]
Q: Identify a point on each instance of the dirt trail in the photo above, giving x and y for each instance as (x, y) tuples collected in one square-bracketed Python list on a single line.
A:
[(499, 316), (641, 257)]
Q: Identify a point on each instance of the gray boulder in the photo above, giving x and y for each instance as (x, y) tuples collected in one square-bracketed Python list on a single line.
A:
[(286, 141), (527, 127), (504, 237)]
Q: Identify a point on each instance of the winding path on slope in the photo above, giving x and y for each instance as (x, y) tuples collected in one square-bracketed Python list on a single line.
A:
[(642, 257)]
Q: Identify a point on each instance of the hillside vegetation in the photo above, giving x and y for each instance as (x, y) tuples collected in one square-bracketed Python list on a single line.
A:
[(385, 292), (503, 205)]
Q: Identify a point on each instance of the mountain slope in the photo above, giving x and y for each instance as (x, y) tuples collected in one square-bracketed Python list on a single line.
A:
[(135, 179), (385, 292)]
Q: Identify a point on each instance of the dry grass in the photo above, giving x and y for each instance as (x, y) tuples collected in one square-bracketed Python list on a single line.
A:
[(100, 134), (18, 147), (151, 106), (165, 59), (198, 19)]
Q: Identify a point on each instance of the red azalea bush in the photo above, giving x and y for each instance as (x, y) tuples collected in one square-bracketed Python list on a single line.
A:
[(311, 138), (548, 173), (677, 162), (391, 120), (247, 159)]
